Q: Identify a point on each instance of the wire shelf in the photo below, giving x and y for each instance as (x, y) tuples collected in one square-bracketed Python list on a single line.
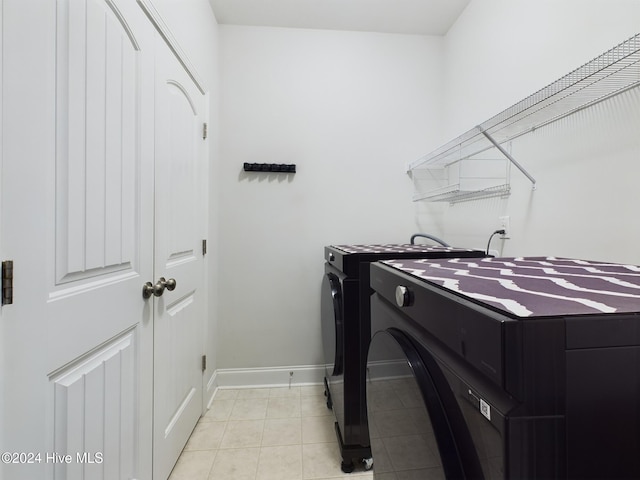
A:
[(611, 73), (454, 194), (463, 180)]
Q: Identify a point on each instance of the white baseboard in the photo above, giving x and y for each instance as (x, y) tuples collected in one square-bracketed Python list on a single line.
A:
[(268, 377), (212, 386)]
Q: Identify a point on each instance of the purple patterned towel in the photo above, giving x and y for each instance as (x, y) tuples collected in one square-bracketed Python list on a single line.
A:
[(535, 286), (398, 248)]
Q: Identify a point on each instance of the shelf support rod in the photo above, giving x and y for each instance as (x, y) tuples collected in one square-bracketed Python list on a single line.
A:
[(508, 155)]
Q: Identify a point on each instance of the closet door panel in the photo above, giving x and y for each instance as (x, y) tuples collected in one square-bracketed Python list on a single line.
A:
[(77, 173), (179, 314), (94, 408), (98, 120)]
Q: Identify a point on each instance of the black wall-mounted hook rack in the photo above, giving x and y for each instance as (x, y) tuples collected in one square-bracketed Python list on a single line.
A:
[(270, 167)]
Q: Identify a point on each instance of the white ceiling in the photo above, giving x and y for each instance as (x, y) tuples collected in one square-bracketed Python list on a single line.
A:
[(423, 17)]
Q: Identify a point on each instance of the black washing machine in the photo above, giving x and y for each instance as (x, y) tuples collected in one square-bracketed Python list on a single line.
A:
[(518, 368), (346, 333)]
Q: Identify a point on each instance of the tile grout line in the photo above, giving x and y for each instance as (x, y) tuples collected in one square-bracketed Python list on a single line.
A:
[(281, 412)]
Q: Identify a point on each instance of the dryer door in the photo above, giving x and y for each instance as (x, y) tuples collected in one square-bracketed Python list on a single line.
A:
[(332, 324), (415, 422)]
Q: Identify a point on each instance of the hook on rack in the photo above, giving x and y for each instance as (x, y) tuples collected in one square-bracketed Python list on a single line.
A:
[(270, 167)]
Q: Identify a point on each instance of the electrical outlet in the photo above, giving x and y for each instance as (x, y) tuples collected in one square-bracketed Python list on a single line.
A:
[(505, 225)]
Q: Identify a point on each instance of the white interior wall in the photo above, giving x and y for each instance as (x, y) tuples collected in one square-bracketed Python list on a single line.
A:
[(500, 51), (586, 165), (349, 109)]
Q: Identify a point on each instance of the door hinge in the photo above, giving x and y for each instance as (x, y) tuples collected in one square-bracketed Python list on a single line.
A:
[(204, 362), (204, 247), (204, 131), (7, 282)]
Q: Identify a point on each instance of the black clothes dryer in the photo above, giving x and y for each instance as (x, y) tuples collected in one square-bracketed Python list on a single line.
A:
[(518, 368), (346, 333)]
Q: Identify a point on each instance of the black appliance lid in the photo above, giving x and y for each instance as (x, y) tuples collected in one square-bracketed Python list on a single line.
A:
[(534, 286)]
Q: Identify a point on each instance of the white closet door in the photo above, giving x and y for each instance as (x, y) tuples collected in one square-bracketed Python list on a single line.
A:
[(77, 220), (179, 230)]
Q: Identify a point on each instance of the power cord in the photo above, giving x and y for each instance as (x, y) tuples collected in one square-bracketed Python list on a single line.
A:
[(497, 232)]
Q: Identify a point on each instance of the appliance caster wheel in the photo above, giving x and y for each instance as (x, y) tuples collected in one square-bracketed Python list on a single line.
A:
[(368, 463), (347, 467)]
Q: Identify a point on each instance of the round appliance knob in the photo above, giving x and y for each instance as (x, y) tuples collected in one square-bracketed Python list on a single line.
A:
[(403, 296)]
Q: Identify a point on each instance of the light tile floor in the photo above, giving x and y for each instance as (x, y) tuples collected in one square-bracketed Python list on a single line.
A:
[(265, 434)]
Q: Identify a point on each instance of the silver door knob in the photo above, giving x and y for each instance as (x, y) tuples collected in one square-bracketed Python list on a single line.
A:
[(149, 289), (168, 284)]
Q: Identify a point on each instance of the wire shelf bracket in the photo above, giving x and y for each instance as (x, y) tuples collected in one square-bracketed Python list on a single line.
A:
[(508, 155)]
